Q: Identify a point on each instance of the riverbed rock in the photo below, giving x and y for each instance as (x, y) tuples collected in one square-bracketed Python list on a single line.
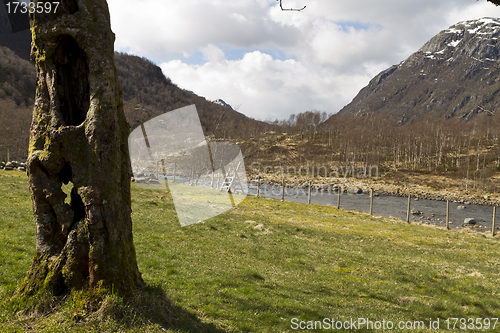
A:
[(461, 207), (354, 190), (416, 212), (470, 221)]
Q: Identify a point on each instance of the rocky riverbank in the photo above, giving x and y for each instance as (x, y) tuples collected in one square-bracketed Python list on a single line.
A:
[(13, 166), (385, 186)]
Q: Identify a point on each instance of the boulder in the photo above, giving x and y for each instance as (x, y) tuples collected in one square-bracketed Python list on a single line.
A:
[(354, 190), (470, 221), (416, 212)]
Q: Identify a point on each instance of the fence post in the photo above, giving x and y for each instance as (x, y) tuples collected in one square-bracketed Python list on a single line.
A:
[(339, 188), (258, 187), (494, 220), (283, 191), (371, 201), (309, 196), (447, 214), (408, 212)]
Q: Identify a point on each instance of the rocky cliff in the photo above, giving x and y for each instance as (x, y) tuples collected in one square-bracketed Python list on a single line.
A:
[(455, 74)]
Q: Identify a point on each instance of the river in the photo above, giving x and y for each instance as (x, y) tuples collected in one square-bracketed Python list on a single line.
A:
[(432, 211)]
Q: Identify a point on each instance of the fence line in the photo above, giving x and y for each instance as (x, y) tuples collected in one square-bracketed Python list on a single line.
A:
[(340, 190), (408, 210), (448, 214), (494, 220)]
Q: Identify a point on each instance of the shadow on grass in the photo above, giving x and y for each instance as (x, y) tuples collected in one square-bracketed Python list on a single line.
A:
[(150, 306)]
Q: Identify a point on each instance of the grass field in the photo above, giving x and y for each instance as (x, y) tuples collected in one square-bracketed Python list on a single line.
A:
[(258, 266)]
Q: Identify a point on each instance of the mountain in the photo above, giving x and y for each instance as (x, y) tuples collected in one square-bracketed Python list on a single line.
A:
[(147, 93), (223, 103), (454, 75)]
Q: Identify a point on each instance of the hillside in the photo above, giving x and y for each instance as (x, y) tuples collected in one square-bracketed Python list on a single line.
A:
[(453, 75), (17, 86), (147, 94)]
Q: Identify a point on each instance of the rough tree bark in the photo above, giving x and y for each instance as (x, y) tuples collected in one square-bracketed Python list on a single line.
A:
[(79, 136)]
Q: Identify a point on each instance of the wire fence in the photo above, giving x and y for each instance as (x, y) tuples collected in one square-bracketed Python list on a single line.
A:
[(341, 189)]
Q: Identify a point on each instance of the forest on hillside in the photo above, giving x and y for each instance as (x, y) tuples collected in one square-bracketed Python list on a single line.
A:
[(468, 150)]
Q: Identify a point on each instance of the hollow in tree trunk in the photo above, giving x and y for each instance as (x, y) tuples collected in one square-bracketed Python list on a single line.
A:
[(79, 137)]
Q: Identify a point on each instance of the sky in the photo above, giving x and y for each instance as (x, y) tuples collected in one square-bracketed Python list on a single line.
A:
[(268, 63)]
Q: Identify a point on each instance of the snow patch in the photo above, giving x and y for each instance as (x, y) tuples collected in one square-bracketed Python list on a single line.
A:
[(473, 31), (454, 43), (488, 20)]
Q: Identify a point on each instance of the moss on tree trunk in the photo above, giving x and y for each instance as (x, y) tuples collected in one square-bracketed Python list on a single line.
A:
[(79, 135)]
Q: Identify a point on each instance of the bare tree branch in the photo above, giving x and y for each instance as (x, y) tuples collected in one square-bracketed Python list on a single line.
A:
[(292, 9)]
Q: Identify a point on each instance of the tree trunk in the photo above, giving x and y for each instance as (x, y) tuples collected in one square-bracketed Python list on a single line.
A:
[(79, 136)]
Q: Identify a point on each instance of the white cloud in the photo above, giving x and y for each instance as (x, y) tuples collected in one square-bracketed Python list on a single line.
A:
[(266, 88), (328, 51)]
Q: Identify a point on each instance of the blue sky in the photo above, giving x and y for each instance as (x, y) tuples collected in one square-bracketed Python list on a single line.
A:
[(274, 63)]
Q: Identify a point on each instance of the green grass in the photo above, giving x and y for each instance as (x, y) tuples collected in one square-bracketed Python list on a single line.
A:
[(259, 265)]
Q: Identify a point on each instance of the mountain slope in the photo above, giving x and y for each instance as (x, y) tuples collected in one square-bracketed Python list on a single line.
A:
[(147, 94), (17, 87), (452, 75)]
